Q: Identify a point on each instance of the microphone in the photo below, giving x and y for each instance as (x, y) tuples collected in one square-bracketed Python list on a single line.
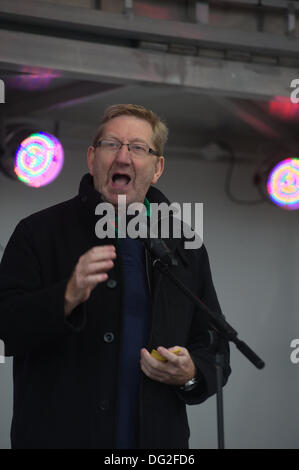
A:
[(159, 251), (156, 246)]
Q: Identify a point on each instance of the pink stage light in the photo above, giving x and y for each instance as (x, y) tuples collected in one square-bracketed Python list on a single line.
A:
[(283, 184), (39, 159)]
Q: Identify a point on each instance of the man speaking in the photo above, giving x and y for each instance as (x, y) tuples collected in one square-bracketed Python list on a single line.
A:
[(82, 315)]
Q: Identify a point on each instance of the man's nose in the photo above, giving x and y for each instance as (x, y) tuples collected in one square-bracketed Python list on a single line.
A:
[(123, 155)]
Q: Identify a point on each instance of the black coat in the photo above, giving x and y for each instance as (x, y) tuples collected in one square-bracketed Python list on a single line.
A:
[(66, 371)]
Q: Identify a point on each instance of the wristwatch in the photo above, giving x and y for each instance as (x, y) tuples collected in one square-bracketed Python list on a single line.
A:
[(190, 385)]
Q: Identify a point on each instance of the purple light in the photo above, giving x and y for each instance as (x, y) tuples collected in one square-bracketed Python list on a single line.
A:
[(283, 184), (39, 159), (32, 78)]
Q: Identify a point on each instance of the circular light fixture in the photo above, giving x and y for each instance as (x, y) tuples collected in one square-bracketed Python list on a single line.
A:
[(39, 159), (283, 184)]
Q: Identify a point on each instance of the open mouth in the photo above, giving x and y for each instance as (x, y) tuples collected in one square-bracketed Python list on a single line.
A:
[(120, 179)]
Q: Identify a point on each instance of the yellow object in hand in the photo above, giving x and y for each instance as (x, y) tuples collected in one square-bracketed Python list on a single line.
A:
[(158, 356)]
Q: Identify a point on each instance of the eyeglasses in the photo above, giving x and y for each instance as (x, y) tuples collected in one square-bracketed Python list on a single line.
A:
[(138, 149)]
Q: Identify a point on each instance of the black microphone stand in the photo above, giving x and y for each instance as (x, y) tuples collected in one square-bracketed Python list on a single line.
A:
[(219, 326)]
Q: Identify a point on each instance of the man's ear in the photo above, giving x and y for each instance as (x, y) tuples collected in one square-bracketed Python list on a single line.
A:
[(90, 158), (159, 167)]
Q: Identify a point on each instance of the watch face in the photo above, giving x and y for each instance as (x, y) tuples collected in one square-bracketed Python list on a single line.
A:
[(190, 385)]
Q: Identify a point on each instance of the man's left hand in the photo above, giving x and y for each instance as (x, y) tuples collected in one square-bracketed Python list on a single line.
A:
[(177, 370)]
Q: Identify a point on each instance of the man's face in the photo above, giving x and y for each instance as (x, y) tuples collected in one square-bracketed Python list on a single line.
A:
[(121, 172)]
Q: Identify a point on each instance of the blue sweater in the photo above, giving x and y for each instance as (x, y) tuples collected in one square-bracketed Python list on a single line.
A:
[(136, 320)]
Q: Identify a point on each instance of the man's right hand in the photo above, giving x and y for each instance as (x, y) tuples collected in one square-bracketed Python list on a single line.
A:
[(90, 270)]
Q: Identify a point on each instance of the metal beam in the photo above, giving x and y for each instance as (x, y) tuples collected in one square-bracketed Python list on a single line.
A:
[(60, 97), (108, 25), (120, 65), (271, 4)]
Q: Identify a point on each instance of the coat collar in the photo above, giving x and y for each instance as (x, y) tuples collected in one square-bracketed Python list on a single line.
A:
[(90, 198)]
